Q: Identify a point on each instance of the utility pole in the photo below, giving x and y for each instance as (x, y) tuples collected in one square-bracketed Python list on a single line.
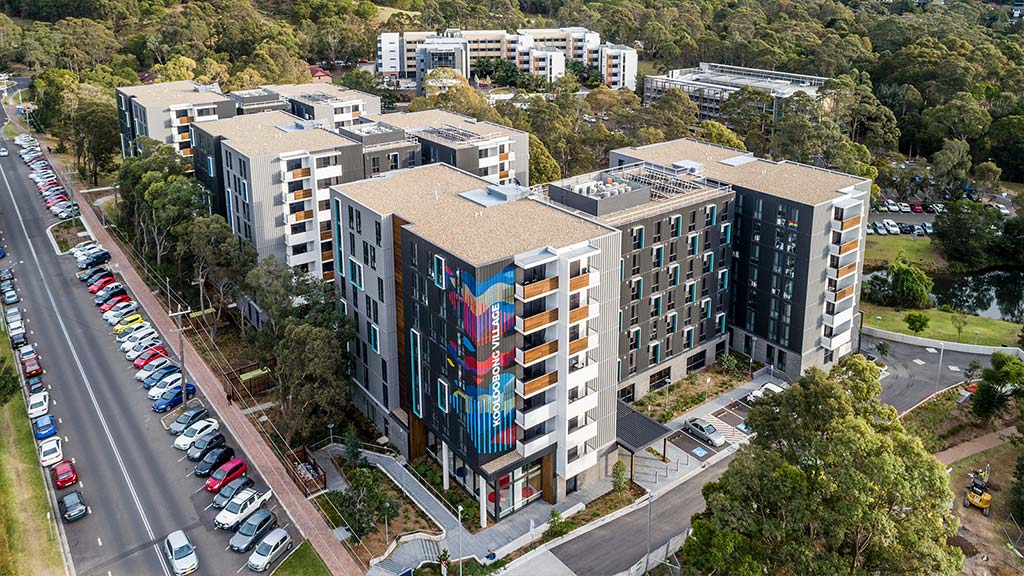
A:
[(647, 559), (460, 540), (181, 349), (167, 283)]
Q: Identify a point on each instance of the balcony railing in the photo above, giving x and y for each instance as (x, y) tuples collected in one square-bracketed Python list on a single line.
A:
[(579, 314), (841, 294), (537, 321), (587, 278), (300, 216), (527, 419), (537, 288), (503, 156), (327, 256), (534, 445), (535, 354), (304, 194), (183, 120), (325, 235), (844, 225), (846, 248), (329, 275), (842, 271), (295, 174)]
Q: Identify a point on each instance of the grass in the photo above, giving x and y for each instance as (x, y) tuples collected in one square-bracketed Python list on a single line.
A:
[(10, 131), (28, 545), (385, 12), (673, 400), (1014, 187), (304, 561), (991, 332), (646, 67), (881, 250), (66, 233)]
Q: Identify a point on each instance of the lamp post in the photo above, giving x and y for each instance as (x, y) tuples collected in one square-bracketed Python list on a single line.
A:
[(330, 430), (460, 540), (975, 337), (753, 349), (938, 373), (707, 388)]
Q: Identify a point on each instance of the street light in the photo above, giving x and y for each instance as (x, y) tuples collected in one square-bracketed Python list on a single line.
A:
[(650, 502), (975, 337), (938, 374), (460, 540), (707, 388), (330, 430)]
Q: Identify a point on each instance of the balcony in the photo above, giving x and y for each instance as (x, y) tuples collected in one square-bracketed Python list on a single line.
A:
[(183, 120), (503, 156), (583, 461), (535, 354), (186, 152), (182, 137), (583, 313), (503, 174), (305, 194), (329, 276), (839, 318), (848, 224), (580, 376), (841, 249), (583, 404), (588, 342), (840, 294), (836, 340), (534, 416), (582, 433), (287, 175), (842, 271), (587, 278), (325, 235), (326, 256), (534, 445), (536, 289), (300, 216), (536, 322)]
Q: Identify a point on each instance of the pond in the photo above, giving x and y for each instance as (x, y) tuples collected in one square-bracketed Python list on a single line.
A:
[(993, 294)]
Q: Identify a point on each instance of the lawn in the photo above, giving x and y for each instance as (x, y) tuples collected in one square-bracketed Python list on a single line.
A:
[(28, 544), (991, 332), (943, 423), (385, 12), (66, 233), (881, 250), (646, 67), (10, 131), (1015, 187), (304, 561)]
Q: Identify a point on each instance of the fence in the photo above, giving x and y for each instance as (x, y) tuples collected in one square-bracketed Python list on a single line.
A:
[(305, 471), (658, 556), (950, 346)]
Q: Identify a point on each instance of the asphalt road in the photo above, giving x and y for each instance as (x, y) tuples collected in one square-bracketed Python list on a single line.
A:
[(131, 477)]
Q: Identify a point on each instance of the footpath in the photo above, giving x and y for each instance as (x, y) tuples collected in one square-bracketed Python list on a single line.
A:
[(306, 518), (979, 444)]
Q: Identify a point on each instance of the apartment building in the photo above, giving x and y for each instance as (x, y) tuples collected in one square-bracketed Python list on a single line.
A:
[(496, 153), (797, 235), (487, 330), (708, 85), (401, 53), (331, 105), (674, 274), (257, 100), (165, 111)]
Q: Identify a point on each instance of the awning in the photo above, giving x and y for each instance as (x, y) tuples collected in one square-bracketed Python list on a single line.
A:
[(636, 431)]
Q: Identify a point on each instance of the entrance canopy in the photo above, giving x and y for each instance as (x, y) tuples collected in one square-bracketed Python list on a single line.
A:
[(636, 431)]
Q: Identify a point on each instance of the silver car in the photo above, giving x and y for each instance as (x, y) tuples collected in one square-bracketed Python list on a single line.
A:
[(181, 554), (273, 546), (249, 532), (704, 431)]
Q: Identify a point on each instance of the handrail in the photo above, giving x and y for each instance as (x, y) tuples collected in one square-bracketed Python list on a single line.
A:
[(451, 508)]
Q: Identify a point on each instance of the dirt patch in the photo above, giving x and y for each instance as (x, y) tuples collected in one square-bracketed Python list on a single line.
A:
[(943, 423), (66, 234)]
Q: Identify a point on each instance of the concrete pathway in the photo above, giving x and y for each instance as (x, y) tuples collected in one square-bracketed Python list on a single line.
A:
[(979, 444)]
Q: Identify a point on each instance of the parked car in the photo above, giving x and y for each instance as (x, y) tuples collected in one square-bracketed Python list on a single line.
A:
[(18, 340), (228, 491), (904, 207), (72, 506), (185, 440), (205, 444), (10, 297), (15, 328), (890, 226), (214, 459), (892, 206), (102, 283), (704, 431), (38, 404), (906, 228), (150, 355), (50, 452), (114, 301), (252, 530), (928, 229), (153, 366), (84, 275), (31, 368), (96, 260), (27, 352), (765, 389), (880, 229), (172, 398), (141, 347), (919, 230), (139, 336), (181, 553), (127, 325), (158, 375), (44, 427), (119, 311), (64, 475), (274, 545), (34, 385), (240, 507), (169, 381), (228, 471), (12, 314), (928, 208), (916, 208), (186, 420)]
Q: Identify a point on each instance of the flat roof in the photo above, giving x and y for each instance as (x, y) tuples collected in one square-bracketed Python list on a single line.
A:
[(429, 198), (165, 94), (782, 84), (791, 180), (634, 430), (314, 92), (265, 134), (436, 118)]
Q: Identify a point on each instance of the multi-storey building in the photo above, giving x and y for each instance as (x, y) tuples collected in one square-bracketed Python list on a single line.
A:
[(401, 53), (331, 105), (797, 235), (496, 153), (164, 112), (709, 85), (674, 273), (257, 100), (487, 330), (269, 175)]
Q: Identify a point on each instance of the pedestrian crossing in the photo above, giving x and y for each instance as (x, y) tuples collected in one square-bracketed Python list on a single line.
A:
[(732, 435)]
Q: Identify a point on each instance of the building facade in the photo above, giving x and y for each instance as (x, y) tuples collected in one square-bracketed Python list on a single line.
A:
[(493, 357), (257, 100), (797, 234), (496, 153), (331, 105), (674, 274), (400, 53), (165, 111), (708, 85)]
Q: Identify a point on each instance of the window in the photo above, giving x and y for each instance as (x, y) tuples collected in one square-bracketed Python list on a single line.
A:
[(638, 237), (709, 262), (676, 225), (658, 255), (634, 338), (244, 191), (720, 321), (691, 291), (414, 374), (375, 165), (442, 395), (393, 161), (355, 273), (209, 165), (705, 307), (673, 275), (711, 215), (723, 279), (688, 336), (654, 352), (374, 335), (656, 306), (671, 322), (726, 233), (694, 244), (438, 271), (376, 231), (637, 289)]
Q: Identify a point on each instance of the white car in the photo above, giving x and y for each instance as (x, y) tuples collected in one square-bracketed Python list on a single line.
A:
[(3, 151), (240, 507), (153, 366), (138, 336), (891, 226), (767, 388), (114, 315), (87, 252), (13, 314), (50, 452), (892, 206), (181, 553), (164, 385), (1003, 209), (81, 247), (141, 347), (274, 544), (186, 439), (15, 328), (124, 336), (904, 207), (38, 404)]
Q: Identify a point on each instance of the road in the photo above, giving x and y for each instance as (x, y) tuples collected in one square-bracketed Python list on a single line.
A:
[(132, 479)]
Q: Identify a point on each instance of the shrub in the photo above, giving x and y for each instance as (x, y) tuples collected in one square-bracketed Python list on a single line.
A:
[(619, 479)]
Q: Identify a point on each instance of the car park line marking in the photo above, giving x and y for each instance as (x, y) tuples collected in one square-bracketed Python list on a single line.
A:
[(183, 457), (59, 421), (918, 361), (66, 440), (243, 566), (100, 542), (228, 547), (208, 506), (189, 474), (200, 489), (85, 377)]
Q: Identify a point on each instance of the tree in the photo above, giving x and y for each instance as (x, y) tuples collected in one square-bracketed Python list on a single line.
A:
[(1020, 337), (543, 167), (717, 133), (364, 503), (962, 118), (312, 371), (673, 113), (217, 255), (986, 176), (1005, 139), (169, 203), (916, 321), (903, 285), (747, 112), (987, 401), (959, 320), (952, 164), (275, 289), (823, 489), (620, 482), (967, 232), (1002, 379), (353, 447)]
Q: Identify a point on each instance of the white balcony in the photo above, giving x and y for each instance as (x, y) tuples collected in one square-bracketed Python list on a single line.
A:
[(842, 272), (582, 434), (535, 416), (300, 238), (836, 340), (850, 223), (839, 317), (531, 447), (581, 463), (582, 376), (835, 296), (583, 404), (310, 257)]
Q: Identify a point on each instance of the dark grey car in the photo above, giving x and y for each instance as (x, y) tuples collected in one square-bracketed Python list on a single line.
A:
[(230, 489), (204, 444), (252, 530), (187, 418)]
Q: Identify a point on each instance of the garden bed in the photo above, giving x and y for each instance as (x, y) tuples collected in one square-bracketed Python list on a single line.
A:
[(430, 472), (67, 233), (676, 399), (942, 423)]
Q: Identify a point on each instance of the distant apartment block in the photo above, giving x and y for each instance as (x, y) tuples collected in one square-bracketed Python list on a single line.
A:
[(709, 85), (496, 153), (257, 100), (487, 331), (797, 235), (412, 54), (165, 111), (331, 105), (269, 175), (674, 273)]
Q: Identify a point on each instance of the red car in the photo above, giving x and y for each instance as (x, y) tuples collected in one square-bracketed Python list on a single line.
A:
[(31, 367), (114, 302), (150, 355), (230, 470), (64, 475), (56, 199), (916, 208), (101, 284)]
